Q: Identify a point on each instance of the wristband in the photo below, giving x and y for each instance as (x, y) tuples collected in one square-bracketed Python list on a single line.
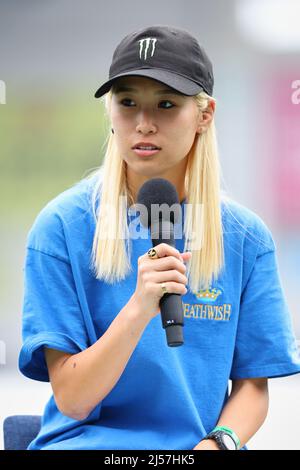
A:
[(231, 433)]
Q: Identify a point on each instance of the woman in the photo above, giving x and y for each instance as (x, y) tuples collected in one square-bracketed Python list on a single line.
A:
[(91, 322)]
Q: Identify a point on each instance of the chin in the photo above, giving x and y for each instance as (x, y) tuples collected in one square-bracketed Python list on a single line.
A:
[(139, 166), (148, 172)]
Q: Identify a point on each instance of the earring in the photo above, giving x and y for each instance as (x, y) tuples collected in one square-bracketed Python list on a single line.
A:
[(112, 131)]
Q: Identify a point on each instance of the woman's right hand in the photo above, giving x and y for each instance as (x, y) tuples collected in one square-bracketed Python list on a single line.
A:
[(169, 268)]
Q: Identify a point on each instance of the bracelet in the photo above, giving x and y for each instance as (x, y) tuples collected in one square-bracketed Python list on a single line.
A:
[(231, 433)]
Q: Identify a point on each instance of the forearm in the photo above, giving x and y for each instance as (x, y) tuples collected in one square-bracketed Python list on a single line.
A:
[(87, 377), (245, 410)]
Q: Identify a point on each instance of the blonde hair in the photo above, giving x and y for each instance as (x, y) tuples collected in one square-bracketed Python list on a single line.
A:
[(111, 255)]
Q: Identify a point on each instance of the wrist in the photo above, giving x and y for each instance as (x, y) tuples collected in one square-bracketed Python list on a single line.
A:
[(135, 313), (225, 438), (207, 444)]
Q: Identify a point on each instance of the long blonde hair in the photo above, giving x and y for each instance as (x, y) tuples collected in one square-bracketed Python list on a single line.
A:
[(111, 255)]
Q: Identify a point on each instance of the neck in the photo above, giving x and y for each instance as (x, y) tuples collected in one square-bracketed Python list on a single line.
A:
[(134, 191), (135, 182)]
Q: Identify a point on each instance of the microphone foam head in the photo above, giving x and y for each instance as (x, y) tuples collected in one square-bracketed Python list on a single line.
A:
[(158, 191)]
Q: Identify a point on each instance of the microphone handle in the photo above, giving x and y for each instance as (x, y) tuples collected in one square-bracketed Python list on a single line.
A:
[(171, 307)]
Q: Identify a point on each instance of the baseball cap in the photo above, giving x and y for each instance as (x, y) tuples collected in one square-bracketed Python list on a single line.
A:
[(165, 53)]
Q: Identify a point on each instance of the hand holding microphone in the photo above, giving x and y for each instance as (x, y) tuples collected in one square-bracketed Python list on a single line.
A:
[(160, 199), (167, 269)]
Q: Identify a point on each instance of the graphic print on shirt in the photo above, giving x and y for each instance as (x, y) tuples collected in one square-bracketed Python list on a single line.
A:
[(206, 307)]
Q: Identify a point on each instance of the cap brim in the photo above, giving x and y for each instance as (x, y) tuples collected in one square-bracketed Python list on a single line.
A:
[(171, 79)]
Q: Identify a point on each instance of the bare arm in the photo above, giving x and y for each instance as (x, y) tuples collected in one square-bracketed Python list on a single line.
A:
[(80, 381), (244, 412)]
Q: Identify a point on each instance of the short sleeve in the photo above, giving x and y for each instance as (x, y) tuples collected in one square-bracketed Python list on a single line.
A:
[(265, 342), (51, 313)]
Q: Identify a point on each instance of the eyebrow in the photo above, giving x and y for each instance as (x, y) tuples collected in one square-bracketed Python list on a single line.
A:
[(120, 89)]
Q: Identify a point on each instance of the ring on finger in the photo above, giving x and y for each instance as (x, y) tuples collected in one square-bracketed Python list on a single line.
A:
[(152, 253), (164, 288)]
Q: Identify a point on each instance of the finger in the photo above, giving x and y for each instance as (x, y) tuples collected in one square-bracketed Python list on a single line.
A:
[(186, 256), (163, 249), (171, 275), (172, 288), (167, 263)]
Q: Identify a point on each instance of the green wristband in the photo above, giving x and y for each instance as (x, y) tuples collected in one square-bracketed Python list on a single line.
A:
[(231, 433)]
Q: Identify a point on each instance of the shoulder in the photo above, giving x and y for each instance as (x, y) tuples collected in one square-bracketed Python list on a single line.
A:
[(243, 223), (67, 211)]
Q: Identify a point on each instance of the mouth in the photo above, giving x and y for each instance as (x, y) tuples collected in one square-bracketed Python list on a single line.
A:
[(144, 152), (146, 146), (144, 149)]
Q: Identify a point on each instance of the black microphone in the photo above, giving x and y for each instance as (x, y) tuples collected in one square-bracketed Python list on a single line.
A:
[(161, 222)]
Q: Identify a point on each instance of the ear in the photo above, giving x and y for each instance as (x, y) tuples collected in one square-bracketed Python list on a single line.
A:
[(206, 117)]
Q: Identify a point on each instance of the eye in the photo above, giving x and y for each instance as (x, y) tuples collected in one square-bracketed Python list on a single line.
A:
[(168, 107), (166, 104), (124, 101)]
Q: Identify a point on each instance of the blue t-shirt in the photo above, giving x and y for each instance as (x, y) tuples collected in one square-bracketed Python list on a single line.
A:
[(166, 398)]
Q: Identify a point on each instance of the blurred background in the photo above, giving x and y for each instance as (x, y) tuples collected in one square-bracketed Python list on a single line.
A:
[(53, 57)]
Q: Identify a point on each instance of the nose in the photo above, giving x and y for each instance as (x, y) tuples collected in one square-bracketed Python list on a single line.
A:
[(145, 123)]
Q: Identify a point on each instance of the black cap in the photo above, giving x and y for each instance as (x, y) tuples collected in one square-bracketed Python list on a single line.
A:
[(165, 53)]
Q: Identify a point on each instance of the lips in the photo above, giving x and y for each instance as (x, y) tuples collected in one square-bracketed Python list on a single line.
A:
[(145, 152), (146, 146)]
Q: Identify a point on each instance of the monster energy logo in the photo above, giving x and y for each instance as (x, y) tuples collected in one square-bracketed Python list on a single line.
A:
[(145, 44)]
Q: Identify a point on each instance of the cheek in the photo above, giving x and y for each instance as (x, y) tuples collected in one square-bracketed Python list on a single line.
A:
[(186, 132), (117, 118), (185, 139), (187, 122), (122, 128)]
